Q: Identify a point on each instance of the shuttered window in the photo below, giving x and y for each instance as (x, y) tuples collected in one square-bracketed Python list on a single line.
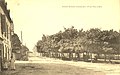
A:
[(3, 24)]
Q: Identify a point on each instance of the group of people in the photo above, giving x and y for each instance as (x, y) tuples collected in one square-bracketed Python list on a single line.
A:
[(9, 64)]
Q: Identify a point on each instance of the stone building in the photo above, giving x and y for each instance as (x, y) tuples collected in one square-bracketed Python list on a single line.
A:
[(6, 30)]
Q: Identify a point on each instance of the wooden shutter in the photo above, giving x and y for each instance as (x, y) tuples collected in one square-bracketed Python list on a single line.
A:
[(3, 24)]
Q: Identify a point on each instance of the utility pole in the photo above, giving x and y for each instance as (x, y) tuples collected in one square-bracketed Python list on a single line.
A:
[(21, 38)]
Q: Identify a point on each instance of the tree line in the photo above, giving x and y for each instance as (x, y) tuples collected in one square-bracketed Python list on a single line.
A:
[(104, 44)]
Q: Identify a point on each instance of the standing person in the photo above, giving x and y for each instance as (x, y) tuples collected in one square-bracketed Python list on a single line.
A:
[(5, 63), (12, 63)]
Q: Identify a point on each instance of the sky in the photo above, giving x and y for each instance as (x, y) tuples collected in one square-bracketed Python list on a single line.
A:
[(37, 17)]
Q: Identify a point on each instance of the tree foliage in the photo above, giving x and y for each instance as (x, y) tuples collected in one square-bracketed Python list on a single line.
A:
[(17, 47), (15, 42), (94, 40)]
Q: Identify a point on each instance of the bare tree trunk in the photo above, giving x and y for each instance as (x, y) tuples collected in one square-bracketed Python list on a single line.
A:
[(105, 57), (91, 56), (62, 55), (118, 56), (70, 55), (78, 56)]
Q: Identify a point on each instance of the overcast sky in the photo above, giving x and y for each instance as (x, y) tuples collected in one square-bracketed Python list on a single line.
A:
[(37, 17)]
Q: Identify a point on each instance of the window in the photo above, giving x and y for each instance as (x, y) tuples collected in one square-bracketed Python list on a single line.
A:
[(3, 24)]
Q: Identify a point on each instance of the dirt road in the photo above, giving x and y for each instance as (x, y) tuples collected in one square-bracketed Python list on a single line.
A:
[(48, 66), (50, 69)]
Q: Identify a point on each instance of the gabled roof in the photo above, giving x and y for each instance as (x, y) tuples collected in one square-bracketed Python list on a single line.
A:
[(3, 5)]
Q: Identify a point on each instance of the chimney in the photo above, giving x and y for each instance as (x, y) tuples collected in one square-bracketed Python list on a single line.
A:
[(5, 5), (8, 12)]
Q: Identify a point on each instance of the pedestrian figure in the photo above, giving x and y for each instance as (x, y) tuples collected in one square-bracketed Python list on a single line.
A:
[(5, 63), (12, 63)]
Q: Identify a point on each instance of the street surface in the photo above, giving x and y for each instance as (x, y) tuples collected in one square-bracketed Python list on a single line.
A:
[(50, 66)]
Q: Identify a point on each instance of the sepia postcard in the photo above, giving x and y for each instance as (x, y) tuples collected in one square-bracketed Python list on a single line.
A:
[(60, 37)]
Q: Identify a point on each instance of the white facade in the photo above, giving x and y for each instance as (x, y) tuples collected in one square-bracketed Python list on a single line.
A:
[(6, 29)]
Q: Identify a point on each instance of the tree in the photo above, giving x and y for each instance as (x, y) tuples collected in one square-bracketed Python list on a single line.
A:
[(110, 41), (92, 38), (95, 41), (19, 49), (23, 52), (16, 43)]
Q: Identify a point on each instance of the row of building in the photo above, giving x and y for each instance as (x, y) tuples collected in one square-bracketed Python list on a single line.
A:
[(6, 31)]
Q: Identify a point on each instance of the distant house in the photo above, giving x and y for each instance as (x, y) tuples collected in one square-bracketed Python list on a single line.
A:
[(6, 30), (22, 53), (18, 48), (17, 53), (30, 54)]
